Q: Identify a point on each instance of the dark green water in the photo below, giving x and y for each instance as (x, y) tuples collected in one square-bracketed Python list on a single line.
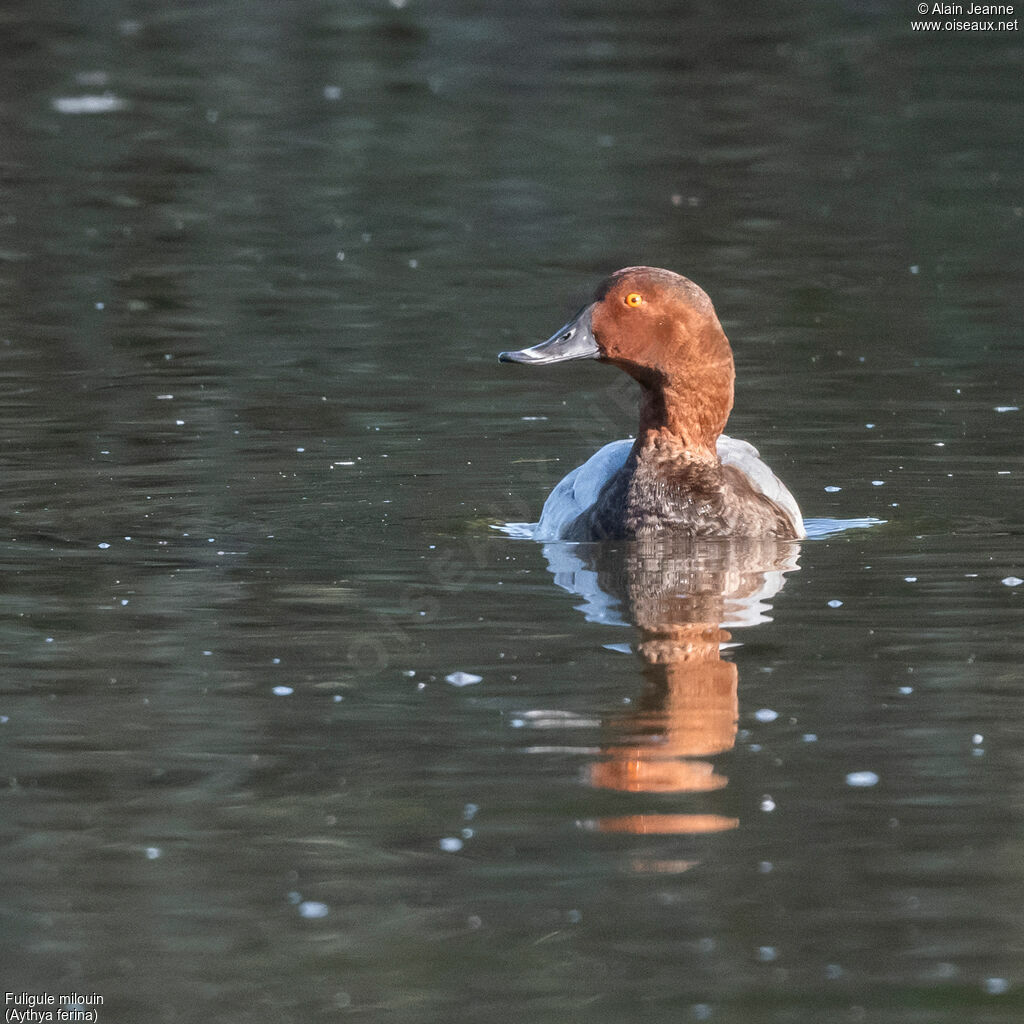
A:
[(256, 263)]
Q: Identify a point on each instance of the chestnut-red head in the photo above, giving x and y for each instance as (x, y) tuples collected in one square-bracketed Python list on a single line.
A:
[(661, 329)]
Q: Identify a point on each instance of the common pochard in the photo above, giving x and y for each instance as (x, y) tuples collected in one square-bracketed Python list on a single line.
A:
[(681, 474)]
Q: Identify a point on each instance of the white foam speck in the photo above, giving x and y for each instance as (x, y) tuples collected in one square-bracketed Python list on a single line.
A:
[(313, 909), (810, 737), (996, 986), (105, 104), (463, 679), (283, 691), (877, 483), (767, 804), (909, 579), (1007, 408), (766, 715), (862, 779), (834, 603), (832, 488), (451, 844), (103, 546), (152, 852), (1012, 581)]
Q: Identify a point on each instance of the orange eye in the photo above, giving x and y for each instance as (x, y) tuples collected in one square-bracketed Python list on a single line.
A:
[(634, 299)]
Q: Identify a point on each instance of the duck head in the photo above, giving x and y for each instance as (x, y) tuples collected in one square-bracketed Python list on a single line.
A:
[(661, 329)]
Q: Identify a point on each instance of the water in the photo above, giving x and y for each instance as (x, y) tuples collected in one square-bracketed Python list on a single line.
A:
[(255, 269)]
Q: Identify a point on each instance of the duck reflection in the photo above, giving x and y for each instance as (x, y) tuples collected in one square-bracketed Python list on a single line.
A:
[(684, 596)]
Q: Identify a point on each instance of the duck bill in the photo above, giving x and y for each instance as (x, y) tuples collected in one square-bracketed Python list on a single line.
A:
[(574, 341)]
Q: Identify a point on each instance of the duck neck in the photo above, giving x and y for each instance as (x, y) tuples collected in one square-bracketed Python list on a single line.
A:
[(687, 415)]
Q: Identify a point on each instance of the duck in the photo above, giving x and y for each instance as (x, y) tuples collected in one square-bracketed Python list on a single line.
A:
[(681, 475)]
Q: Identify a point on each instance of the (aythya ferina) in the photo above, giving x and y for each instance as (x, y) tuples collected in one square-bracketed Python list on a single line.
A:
[(682, 474)]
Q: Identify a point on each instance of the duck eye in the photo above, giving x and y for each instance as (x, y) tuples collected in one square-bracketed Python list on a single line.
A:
[(634, 299)]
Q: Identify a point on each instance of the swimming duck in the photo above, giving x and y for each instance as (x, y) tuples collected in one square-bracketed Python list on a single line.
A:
[(682, 474)]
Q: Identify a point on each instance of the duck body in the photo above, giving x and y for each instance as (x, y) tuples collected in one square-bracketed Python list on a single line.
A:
[(607, 498), (681, 475)]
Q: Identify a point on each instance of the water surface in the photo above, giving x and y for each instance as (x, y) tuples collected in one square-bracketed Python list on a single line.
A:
[(255, 269)]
